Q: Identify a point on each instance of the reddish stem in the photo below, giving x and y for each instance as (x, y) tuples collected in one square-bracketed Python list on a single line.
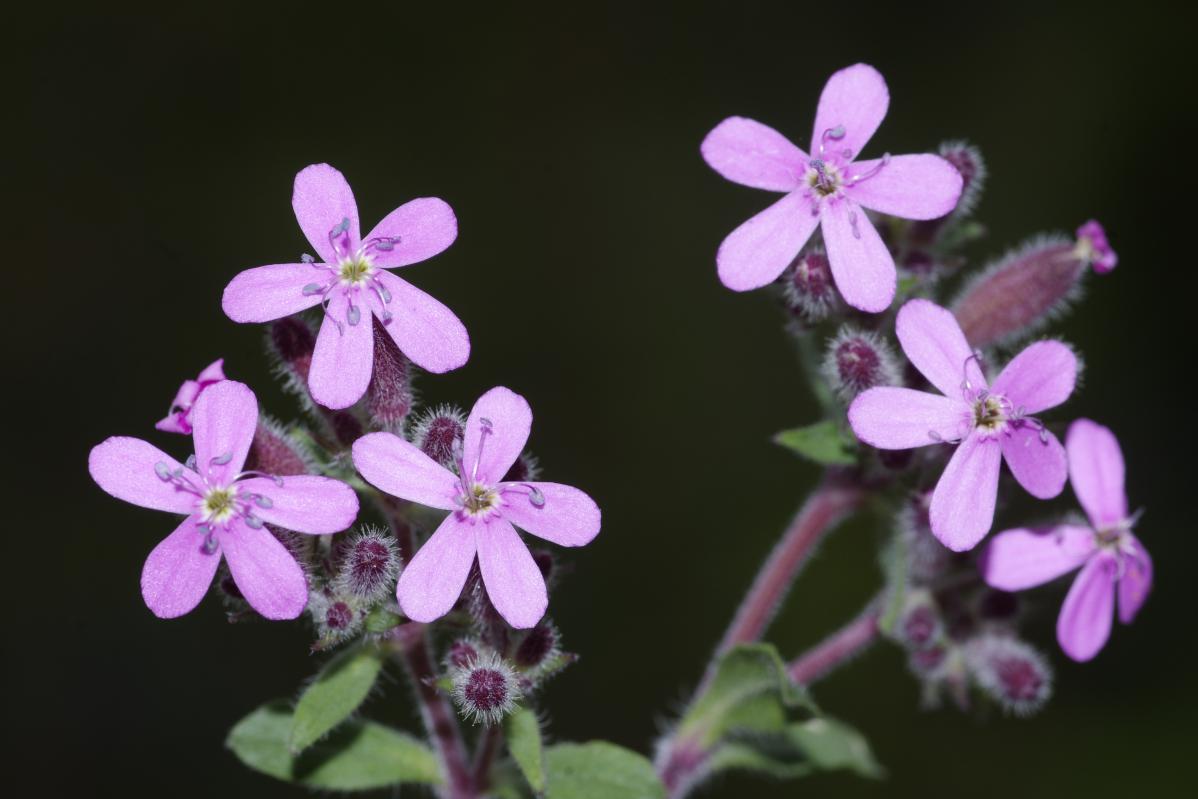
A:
[(839, 647)]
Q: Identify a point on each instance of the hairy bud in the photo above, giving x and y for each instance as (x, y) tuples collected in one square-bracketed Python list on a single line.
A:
[(292, 342), (368, 565), (808, 287), (526, 469), (486, 689), (927, 558), (1011, 672), (389, 396), (274, 452), (968, 161), (857, 360), (461, 654), (1025, 289), (437, 430), (336, 618), (920, 623), (539, 646)]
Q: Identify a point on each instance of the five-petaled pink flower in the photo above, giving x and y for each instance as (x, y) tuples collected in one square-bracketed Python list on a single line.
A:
[(1112, 560), (828, 189), (483, 507), (990, 423), (350, 280), (178, 420), (225, 508)]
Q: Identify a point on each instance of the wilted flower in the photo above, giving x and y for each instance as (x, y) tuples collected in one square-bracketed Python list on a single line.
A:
[(178, 420)]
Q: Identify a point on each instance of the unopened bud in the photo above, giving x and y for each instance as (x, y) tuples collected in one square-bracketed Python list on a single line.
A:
[(540, 646), (857, 360), (526, 469), (808, 287), (1011, 672), (292, 342), (461, 654), (368, 565), (274, 452), (486, 689), (1094, 249), (920, 624), (336, 618), (1021, 292), (967, 160), (927, 558), (437, 430), (389, 396)]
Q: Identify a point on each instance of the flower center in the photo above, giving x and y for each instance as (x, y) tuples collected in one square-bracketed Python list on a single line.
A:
[(480, 500), (219, 504), (990, 413), (355, 271), (824, 178)]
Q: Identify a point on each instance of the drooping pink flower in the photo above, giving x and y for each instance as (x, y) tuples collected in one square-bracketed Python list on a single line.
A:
[(225, 509), (178, 420), (829, 189), (1093, 246), (483, 507), (1113, 562), (352, 281), (988, 423)]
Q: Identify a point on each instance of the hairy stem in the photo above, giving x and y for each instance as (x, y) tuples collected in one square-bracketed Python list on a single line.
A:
[(436, 711), (838, 648), (484, 756)]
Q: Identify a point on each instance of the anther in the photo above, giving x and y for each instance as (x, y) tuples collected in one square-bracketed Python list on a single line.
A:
[(163, 471), (308, 259), (353, 315), (313, 288), (252, 521), (263, 502), (220, 460)]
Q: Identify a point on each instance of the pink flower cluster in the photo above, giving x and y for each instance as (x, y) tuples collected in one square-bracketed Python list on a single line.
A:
[(240, 515)]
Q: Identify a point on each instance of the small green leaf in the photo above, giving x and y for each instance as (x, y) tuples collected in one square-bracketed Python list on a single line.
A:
[(823, 442), (829, 744), (524, 743), (599, 770), (894, 566), (381, 619), (340, 687), (359, 756)]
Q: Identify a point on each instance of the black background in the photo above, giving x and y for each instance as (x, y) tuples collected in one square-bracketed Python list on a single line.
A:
[(154, 160)]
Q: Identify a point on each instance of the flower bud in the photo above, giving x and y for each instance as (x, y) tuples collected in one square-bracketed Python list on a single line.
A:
[(273, 451), (461, 654), (486, 689), (1022, 291), (967, 160), (539, 646), (389, 395), (1011, 672), (368, 565), (927, 558), (436, 431), (526, 469), (1094, 249), (336, 618), (292, 343), (919, 626), (808, 287), (857, 360)]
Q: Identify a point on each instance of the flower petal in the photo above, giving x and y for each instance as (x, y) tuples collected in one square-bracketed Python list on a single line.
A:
[(963, 503), (908, 186), (1085, 621), (344, 355), (304, 503), (124, 468), (759, 250), (402, 470), (322, 198), (1096, 471), (935, 345), (568, 517), (514, 582), (488, 457), (1135, 583), (861, 264), (265, 572), (855, 98), (1022, 558), (223, 422), (270, 292), (424, 226), (752, 154), (1040, 377), (888, 417), (426, 331), (431, 584), (213, 372), (1038, 464), (178, 572)]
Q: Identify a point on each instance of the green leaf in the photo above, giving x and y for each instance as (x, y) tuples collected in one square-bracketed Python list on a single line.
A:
[(524, 743), (894, 565), (359, 756), (599, 770), (381, 619), (340, 687), (829, 744), (823, 442), (751, 690)]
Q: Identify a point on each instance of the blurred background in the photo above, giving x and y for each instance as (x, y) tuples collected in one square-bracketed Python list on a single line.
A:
[(155, 160)]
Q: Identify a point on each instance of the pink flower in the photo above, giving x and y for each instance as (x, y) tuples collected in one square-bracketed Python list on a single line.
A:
[(1113, 561), (483, 509), (987, 423), (352, 282), (225, 509), (179, 418), (827, 189), (1093, 246)]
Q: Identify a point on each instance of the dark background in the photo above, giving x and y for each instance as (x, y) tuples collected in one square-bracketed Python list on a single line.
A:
[(154, 161)]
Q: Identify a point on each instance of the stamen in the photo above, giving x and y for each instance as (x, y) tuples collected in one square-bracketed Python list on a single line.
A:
[(485, 428), (209, 545), (263, 502), (220, 460), (353, 315), (191, 461), (383, 243), (254, 473), (966, 383), (876, 169), (252, 521), (339, 239), (853, 224), (535, 497), (313, 288), (163, 471), (307, 259)]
